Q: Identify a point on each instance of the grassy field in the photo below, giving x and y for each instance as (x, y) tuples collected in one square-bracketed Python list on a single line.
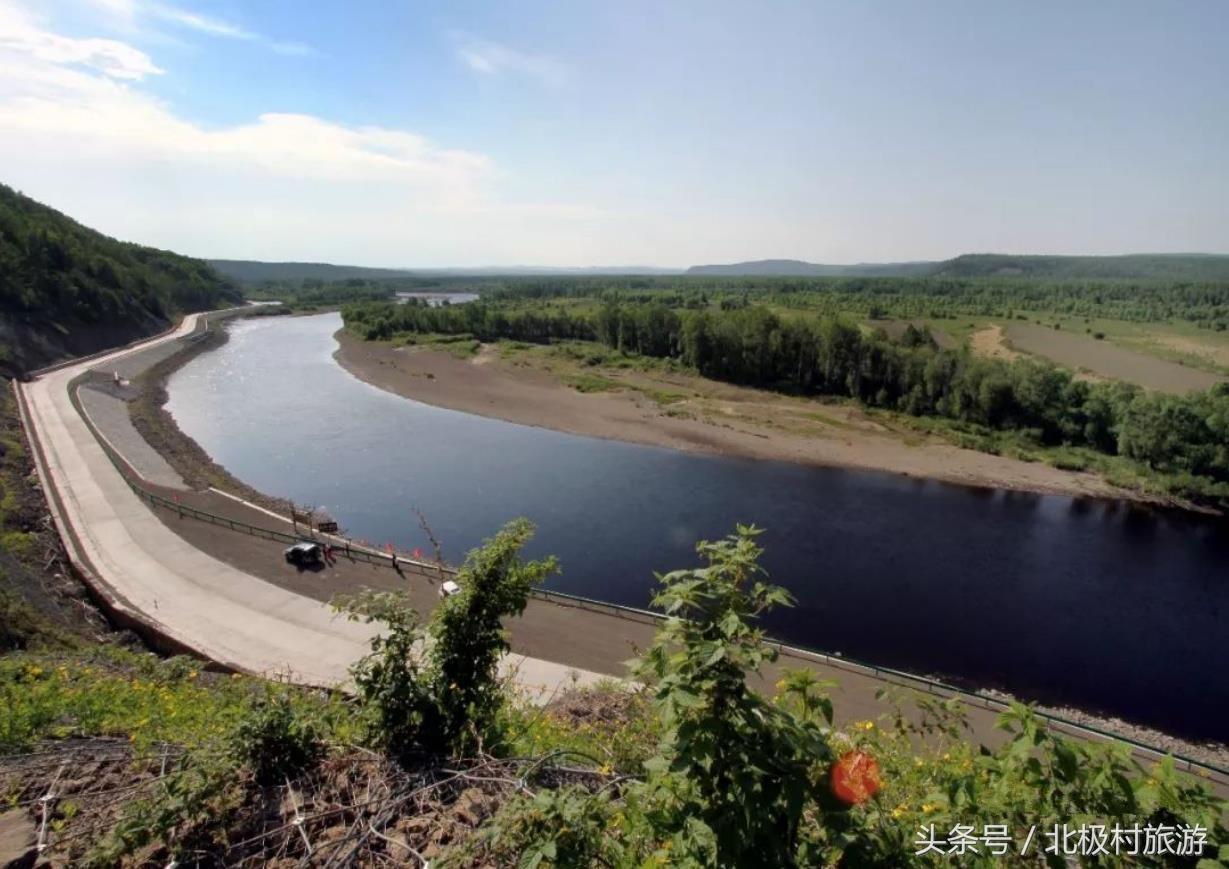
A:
[(1173, 356), (1193, 347), (1104, 358), (1169, 357)]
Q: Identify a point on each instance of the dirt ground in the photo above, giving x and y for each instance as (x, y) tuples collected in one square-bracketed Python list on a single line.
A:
[(991, 343), (579, 637), (692, 414), (568, 633), (1102, 358)]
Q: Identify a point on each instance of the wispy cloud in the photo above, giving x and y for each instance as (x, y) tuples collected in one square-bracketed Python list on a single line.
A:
[(130, 12), (20, 36), (200, 23), (80, 129), (493, 59)]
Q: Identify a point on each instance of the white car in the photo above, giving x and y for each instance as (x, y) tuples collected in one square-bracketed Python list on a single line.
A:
[(449, 588)]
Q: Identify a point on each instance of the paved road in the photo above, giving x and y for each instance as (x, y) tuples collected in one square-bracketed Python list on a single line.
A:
[(231, 599), (154, 575)]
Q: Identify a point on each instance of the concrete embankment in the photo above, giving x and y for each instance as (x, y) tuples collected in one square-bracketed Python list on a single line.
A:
[(229, 596), (148, 574)]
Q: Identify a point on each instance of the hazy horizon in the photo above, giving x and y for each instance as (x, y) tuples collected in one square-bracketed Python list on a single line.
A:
[(631, 267), (477, 136)]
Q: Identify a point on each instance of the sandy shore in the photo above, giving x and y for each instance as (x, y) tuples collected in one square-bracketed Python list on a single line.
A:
[(707, 417), (600, 650)]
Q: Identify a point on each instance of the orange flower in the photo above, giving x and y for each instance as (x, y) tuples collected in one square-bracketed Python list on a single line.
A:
[(855, 778)]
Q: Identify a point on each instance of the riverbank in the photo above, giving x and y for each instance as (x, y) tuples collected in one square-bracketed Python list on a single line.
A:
[(159, 429), (263, 559), (686, 412)]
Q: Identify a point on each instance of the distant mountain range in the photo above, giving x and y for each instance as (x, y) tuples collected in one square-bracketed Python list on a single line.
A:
[(254, 273), (799, 268), (1144, 266)]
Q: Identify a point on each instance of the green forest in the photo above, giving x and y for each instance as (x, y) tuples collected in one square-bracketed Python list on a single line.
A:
[(1181, 442), (1204, 303), (67, 290)]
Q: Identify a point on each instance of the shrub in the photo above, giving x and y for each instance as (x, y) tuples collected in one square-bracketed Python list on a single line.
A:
[(451, 701), (274, 740), (725, 747), (468, 637), (396, 701), (737, 781)]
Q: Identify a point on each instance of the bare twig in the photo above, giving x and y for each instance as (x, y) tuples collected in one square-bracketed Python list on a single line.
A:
[(45, 801), (298, 817), (435, 544)]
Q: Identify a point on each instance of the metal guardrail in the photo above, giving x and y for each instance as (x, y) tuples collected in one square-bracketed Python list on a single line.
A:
[(649, 617), (643, 616), (931, 686), (343, 550)]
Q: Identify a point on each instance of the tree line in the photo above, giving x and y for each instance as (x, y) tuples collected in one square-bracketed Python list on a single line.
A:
[(1205, 303), (1185, 437), (66, 289), (1199, 301)]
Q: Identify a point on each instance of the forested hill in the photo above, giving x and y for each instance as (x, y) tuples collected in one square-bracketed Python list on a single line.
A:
[(798, 268), (1141, 266), (1144, 266), (252, 272), (66, 290)]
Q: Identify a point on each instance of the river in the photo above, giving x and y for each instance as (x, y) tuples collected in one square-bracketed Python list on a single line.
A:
[(1112, 608)]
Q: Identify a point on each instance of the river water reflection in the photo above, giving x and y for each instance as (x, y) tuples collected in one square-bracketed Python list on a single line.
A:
[(1060, 600)]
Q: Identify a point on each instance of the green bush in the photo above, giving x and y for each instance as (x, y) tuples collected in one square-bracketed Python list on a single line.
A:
[(450, 702), (739, 781), (274, 740)]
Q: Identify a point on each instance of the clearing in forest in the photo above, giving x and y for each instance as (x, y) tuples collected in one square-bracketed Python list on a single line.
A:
[(990, 342), (1082, 352)]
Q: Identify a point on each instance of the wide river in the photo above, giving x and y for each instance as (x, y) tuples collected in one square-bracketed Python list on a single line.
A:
[(1099, 605)]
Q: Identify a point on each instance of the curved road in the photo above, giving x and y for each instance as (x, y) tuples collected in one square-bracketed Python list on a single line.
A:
[(153, 576)]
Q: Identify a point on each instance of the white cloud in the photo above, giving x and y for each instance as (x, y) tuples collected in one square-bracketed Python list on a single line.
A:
[(199, 23), (491, 58), (21, 37), (130, 12), (79, 131)]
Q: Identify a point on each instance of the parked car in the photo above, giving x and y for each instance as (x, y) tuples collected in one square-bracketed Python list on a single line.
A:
[(449, 588), (304, 553)]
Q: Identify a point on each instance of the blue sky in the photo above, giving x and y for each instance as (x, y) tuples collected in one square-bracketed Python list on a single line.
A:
[(458, 133)]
